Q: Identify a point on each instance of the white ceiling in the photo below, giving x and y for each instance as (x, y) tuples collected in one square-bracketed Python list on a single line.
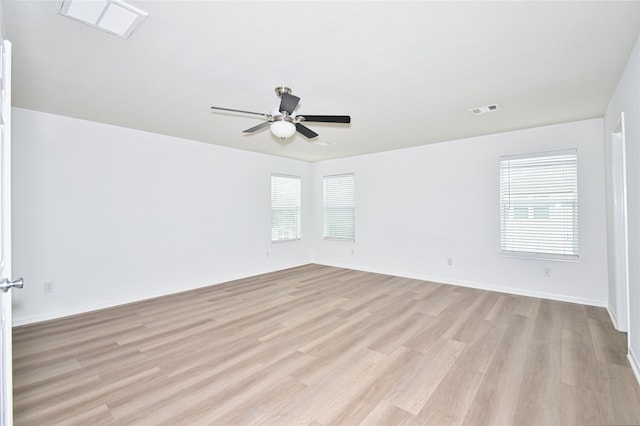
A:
[(406, 72)]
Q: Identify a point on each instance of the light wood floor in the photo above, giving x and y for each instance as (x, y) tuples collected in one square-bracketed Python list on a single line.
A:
[(317, 345)]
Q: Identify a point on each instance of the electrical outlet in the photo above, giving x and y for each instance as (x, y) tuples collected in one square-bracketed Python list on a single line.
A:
[(268, 253), (546, 272), (353, 251), (48, 287), (449, 261)]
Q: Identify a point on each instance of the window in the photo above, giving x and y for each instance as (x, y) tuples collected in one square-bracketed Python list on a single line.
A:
[(285, 208), (539, 205), (339, 207)]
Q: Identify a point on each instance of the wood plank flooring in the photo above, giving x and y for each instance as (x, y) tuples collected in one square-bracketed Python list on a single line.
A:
[(317, 345)]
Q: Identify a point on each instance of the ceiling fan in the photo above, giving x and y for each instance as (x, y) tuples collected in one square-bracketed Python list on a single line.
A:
[(284, 121)]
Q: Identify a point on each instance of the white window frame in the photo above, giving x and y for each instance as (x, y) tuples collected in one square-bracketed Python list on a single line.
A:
[(339, 209), (291, 229), (539, 205)]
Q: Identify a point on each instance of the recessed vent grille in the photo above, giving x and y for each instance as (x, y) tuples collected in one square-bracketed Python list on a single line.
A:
[(113, 16), (485, 109)]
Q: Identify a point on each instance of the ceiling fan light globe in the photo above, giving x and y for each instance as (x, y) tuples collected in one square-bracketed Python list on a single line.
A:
[(283, 129)]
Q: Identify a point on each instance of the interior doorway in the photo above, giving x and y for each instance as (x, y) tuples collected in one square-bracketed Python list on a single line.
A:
[(619, 252)]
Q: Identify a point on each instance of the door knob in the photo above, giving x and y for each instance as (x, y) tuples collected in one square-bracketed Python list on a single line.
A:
[(6, 284)]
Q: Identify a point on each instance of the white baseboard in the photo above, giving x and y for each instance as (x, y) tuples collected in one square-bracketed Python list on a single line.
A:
[(47, 316), (614, 319), (472, 284), (18, 321), (635, 365)]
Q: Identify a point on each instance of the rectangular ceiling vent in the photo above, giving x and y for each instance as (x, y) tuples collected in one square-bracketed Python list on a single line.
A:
[(485, 109), (113, 16)]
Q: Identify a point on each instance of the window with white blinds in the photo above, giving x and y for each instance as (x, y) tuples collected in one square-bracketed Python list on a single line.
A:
[(539, 205), (285, 208), (340, 207)]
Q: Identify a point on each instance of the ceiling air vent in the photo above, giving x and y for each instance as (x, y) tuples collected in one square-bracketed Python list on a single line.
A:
[(113, 16), (485, 109)]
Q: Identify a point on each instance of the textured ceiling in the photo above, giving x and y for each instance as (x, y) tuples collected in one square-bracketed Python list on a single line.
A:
[(406, 72)]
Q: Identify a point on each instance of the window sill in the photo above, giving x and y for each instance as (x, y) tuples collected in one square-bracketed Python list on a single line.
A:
[(285, 241), (541, 256)]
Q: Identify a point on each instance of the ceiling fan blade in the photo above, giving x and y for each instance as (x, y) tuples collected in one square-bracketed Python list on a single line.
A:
[(238, 110), (258, 127), (288, 103), (327, 118), (306, 131)]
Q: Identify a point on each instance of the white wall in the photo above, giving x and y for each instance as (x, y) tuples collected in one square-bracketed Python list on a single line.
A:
[(111, 215), (626, 98), (418, 207)]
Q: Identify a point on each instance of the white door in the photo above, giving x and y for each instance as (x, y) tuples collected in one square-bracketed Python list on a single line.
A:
[(6, 281)]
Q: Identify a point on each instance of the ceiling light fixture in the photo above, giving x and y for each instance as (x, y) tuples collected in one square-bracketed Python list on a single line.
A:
[(282, 128), (113, 16)]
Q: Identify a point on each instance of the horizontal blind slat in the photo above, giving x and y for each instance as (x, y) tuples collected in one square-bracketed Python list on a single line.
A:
[(285, 208), (339, 207), (539, 204)]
